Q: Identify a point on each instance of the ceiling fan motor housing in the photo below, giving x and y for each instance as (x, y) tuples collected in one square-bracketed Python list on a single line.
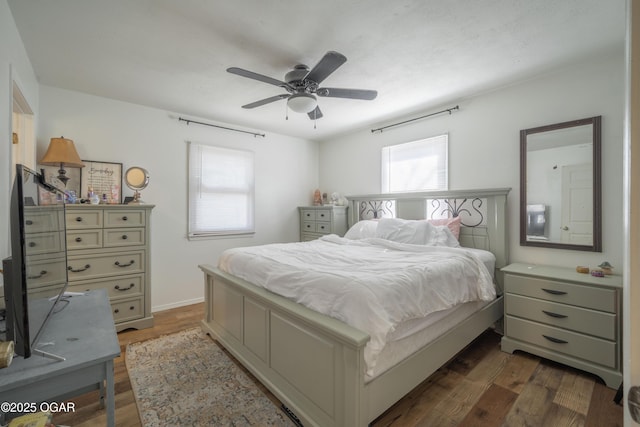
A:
[(297, 74)]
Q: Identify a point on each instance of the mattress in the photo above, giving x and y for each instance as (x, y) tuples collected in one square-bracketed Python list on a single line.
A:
[(374, 285), (430, 328)]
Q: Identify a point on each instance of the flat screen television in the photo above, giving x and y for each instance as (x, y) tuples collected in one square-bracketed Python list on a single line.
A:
[(35, 275)]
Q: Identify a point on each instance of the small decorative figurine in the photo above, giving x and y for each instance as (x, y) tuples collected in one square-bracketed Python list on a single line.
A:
[(606, 267), (597, 273), (317, 198)]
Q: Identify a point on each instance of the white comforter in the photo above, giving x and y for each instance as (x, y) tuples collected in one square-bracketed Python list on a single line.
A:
[(371, 284)]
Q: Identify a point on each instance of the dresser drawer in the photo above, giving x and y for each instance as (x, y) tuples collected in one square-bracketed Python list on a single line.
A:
[(84, 239), (38, 219), (117, 287), (115, 237), (48, 271), (44, 243), (308, 214), (567, 293), (90, 266), (127, 310), (309, 226), (597, 323), (323, 215), (323, 227), (124, 218), (593, 349), (82, 219)]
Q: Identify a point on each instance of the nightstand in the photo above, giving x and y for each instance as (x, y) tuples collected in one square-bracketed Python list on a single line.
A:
[(316, 221), (565, 316)]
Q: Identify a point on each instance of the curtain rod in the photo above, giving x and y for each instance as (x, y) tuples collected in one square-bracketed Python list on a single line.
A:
[(221, 127), (448, 110)]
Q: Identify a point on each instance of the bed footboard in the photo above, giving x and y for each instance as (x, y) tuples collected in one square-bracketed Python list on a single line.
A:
[(312, 363)]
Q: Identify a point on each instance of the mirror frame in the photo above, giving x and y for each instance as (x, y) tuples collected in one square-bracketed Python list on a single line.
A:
[(596, 245)]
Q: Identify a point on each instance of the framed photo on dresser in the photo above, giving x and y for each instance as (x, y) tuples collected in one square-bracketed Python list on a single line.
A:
[(103, 179)]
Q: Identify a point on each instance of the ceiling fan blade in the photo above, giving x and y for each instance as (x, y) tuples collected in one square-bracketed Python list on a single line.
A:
[(315, 114), (266, 101), (327, 65), (333, 92), (255, 76)]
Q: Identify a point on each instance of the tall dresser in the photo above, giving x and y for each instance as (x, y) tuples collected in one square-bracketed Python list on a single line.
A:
[(316, 221), (109, 247), (565, 316)]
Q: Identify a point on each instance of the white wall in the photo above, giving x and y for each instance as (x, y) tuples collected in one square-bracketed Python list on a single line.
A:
[(114, 131), (484, 146), (14, 66)]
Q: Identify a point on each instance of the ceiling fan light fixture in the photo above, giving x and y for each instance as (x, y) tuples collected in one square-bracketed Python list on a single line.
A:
[(302, 102)]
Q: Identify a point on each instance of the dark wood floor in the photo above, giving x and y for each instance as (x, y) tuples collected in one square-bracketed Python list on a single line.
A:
[(482, 386)]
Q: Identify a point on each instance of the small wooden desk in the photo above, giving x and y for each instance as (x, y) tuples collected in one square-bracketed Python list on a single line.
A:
[(83, 332)]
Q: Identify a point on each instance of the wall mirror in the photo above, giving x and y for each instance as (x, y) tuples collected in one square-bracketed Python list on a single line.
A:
[(560, 191)]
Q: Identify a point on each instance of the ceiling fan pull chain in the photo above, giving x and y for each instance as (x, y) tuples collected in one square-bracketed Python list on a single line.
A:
[(286, 111)]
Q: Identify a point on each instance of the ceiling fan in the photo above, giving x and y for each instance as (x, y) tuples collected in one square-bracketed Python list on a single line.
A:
[(302, 86)]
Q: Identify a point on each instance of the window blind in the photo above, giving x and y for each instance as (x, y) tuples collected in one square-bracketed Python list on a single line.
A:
[(221, 191), (416, 166)]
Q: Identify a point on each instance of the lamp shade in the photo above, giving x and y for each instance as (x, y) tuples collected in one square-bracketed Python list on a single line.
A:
[(302, 102), (62, 151)]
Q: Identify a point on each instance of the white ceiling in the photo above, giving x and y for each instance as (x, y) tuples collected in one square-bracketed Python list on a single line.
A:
[(418, 54)]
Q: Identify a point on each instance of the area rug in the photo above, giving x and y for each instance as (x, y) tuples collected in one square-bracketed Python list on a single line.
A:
[(186, 379)]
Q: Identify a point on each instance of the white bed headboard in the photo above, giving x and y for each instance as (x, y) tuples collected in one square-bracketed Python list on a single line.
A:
[(483, 214)]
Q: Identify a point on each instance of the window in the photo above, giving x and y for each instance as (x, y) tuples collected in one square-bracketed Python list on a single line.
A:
[(416, 166), (221, 191)]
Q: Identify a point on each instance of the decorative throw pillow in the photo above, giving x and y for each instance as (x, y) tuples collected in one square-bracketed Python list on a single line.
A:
[(452, 224)]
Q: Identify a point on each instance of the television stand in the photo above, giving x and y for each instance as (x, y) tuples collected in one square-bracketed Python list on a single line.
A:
[(84, 336)]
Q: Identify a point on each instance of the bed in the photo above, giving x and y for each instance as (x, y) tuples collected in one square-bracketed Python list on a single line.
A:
[(319, 366)]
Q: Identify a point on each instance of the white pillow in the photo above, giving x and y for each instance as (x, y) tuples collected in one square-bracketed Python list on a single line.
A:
[(415, 232), (362, 230)]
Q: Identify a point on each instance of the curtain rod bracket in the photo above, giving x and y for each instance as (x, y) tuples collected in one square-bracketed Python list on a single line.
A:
[(255, 134)]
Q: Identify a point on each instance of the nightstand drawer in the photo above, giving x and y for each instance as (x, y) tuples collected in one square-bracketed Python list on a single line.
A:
[(122, 218), (591, 322), (593, 349), (114, 237), (79, 219), (84, 239), (567, 293)]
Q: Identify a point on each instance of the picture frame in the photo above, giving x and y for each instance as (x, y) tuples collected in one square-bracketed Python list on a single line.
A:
[(103, 178), (50, 174)]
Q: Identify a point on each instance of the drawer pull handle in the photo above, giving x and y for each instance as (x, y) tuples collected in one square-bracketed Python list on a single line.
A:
[(555, 340), (29, 222), (78, 239), (132, 308), (37, 276), (78, 219), (554, 292), (32, 244), (124, 289), (124, 265), (79, 270), (116, 311), (124, 237), (552, 314), (124, 218)]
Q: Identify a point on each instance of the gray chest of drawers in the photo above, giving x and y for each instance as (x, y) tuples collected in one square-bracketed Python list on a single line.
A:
[(109, 247), (316, 221), (565, 316)]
